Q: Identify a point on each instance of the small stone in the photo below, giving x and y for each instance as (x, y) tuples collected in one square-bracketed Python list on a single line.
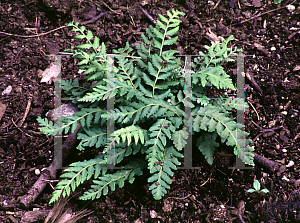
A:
[(153, 214), (291, 8), (290, 164), (37, 171), (7, 91)]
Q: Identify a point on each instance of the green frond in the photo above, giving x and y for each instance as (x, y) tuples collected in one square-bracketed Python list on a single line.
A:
[(79, 172), (211, 69), (214, 75), (53, 129), (92, 137), (155, 69), (130, 132), (71, 87), (206, 143), (76, 175), (148, 107), (230, 103), (163, 171), (211, 119), (179, 138), (159, 132), (102, 184)]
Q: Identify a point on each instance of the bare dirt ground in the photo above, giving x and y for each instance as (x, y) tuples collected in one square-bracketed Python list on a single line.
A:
[(213, 194)]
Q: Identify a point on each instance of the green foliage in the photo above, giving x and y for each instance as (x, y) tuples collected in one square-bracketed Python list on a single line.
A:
[(148, 85), (211, 70), (277, 1), (257, 189)]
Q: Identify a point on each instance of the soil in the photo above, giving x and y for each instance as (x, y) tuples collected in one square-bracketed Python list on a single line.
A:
[(212, 194)]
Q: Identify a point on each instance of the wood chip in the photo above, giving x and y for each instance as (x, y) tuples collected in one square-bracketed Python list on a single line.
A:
[(2, 110)]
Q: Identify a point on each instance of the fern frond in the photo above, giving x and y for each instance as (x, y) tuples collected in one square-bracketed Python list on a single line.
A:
[(211, 69), (100, 92), (53, 129), (206, 143), (76, 175), (95, 62), (92, 137), (130, 132), (149, 107), (211, 118), (214, 75), (162, 170), (159, 132), (89, 36), (229, 103), (84, 117), (179, 138), (161, 64), (241, 148), (79, 172), (102, 184), (71, 87)]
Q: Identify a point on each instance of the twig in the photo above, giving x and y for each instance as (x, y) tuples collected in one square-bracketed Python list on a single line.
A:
[(273, 10), (251, 79), (206, 180), (180, 198), (132, 21), (95, 18), (297, 136), (148, 16), (108, 7), (27, 199), (217, 4), (15, 57), (151, 19), (20, 128), (241, 210), (26, 112), (264, 130), (41, 34), (258, 118)]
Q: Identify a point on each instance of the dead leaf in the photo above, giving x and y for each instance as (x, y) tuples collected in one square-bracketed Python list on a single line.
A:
[(50, 73), (2, 110), (213, 37)]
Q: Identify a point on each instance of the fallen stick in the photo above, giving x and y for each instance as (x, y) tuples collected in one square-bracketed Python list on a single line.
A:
[(273, 10), (95, 18), (27, 199), (148, 16), (269, 165), (26, 112), (253, 82)]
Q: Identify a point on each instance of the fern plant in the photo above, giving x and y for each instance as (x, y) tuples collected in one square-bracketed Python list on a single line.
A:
[(150, 98)]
